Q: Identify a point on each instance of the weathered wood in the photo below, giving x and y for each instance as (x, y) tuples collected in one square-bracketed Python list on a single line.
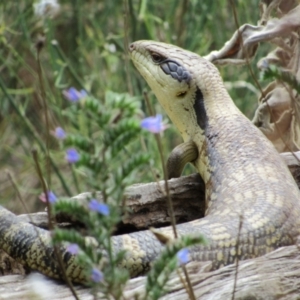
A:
[(38, 287), (273, 276), (147, 202), (291, 158)]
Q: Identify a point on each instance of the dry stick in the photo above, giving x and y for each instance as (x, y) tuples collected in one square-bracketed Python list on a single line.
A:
[(51, 225), (39, 46), (144, 147), (129, 84), (184, 285), (266, 14), (11, 179), (179, 14), (257, 83), (160, 150), (190, 290), (154, 174), (171, 209), (170, 204)]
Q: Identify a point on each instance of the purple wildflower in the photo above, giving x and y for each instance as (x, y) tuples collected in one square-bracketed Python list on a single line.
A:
[(74, 95), (51, 197), (73, 249), (59, 133), (183, 256), (72, 156), (96, 275), (101, 208), (153, 124)]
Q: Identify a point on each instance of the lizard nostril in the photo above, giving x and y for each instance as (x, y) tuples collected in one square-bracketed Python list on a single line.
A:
[(131, 47)]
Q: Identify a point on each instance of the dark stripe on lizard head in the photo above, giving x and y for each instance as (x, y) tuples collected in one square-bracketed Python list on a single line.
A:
[(200, 109)]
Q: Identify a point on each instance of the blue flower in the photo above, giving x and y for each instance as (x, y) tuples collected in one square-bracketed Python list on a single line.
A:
[(264, 64), (72, 156), (153, 124), (96, 275), (59, 133), (74, 95), (73, 249), (51, 197), (101, 208), (183, 256)]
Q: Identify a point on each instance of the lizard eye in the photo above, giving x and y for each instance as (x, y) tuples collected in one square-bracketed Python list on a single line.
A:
[(157, 58)]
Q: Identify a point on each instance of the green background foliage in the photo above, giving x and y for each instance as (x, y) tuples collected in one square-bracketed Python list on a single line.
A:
[(85, 46)]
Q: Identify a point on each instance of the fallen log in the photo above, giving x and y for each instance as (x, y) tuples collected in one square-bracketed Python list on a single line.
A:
[(147, 202), (273, 276)]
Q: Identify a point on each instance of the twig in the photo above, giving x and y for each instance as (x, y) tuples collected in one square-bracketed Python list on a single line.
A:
[(126, 43), (39, 46), (62, 56), (51, 224), (165, 173), (180, 20), (190, 290)]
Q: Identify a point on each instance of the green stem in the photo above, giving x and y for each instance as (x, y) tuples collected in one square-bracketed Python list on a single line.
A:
[(33, 132), (62, 56), (75, 180)]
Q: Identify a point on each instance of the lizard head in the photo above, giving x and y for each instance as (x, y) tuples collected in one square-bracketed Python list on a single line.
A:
[(175, 76)]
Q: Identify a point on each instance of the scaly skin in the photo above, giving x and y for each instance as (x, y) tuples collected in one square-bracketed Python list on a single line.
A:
[(250, 193), (247, 183)]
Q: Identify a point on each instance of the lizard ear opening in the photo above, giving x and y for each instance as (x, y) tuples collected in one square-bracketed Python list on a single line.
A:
[(181, 94)]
